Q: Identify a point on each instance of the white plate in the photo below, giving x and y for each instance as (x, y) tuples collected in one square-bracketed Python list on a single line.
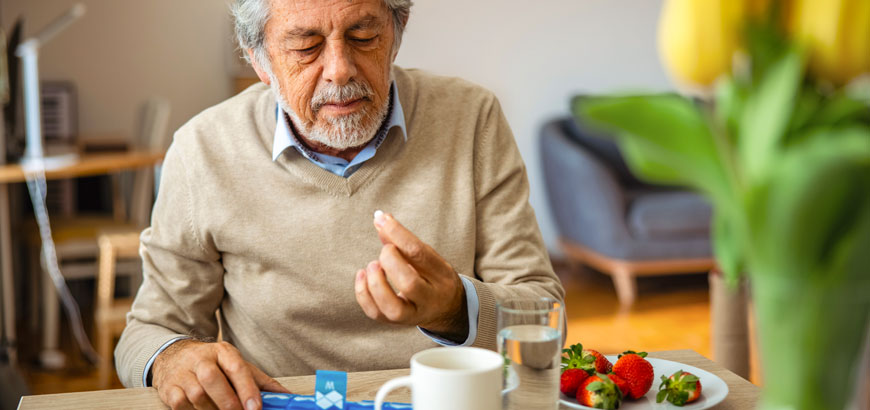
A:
[(713, 389)]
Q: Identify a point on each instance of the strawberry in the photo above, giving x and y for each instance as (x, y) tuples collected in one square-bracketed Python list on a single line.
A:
[(586, 359), (679, 389), (620, 382), (636, 371), (602, 365), (571, 380), (600, 392)]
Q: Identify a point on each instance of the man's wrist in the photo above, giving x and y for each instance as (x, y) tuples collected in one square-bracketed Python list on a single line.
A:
[(166, 355), (453, 326)]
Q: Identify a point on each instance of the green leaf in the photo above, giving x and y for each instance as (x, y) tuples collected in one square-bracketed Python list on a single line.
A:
[(841, 108), (768, 112), (595, 386), (817, 191), (730, 100), (644, 160), (660, 396), (806, 107), (727, 247), (665, 138)]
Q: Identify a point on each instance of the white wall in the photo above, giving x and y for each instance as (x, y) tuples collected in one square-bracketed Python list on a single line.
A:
[(535, 55), (123, 51)]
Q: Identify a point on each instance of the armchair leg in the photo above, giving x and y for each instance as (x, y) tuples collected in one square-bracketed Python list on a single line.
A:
[(626, 287)]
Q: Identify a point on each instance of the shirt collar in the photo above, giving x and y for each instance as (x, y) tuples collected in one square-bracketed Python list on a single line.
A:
[(285, 138)]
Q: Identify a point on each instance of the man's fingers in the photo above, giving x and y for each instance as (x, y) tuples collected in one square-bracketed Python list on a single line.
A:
[(392, 307), (195, 392), (239, 374), (267, 383), (401, 274), (364, 298), (412, 248), (174, 397), (216, 385)]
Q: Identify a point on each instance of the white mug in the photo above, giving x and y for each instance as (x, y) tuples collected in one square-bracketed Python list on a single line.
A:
[(456, 378)]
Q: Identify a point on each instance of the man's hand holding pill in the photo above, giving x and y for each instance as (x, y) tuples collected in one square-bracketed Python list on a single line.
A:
[(411, 284)]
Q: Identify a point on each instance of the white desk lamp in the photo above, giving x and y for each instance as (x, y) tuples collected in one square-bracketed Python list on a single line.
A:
[(28, 51), (35, 163)]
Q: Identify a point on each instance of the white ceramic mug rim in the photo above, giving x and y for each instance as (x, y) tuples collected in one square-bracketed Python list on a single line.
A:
[(497, 364)]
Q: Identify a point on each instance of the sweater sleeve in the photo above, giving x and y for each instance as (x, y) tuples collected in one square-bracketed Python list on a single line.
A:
[(182, 283), (511, 260)]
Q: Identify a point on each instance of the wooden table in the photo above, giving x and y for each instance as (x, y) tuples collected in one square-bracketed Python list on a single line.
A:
[(85, 165), (743, 395)]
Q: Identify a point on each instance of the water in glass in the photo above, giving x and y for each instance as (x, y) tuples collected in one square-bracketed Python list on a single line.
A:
[(532, 353)]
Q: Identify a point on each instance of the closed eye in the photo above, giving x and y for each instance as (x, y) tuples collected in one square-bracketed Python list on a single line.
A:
[(308, 50), (364, 40)]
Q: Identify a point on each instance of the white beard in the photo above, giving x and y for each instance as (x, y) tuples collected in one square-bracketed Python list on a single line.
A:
[(344, 132)]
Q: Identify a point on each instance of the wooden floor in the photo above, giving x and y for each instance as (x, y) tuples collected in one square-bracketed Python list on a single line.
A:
[(671, 312)]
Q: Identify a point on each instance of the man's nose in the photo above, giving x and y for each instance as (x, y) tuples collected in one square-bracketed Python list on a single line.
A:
[(339, 66)]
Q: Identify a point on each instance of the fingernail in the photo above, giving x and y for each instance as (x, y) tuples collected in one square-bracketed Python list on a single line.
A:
[(251, 405), (379, 218), (360, 274)]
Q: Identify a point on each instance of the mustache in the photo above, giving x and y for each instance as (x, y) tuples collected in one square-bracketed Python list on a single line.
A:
[(330, 93)]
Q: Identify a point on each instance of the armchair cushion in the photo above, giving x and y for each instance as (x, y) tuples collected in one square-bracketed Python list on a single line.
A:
[(669, 215)]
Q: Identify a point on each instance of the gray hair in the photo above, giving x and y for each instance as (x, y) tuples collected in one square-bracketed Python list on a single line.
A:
[(250, 22)]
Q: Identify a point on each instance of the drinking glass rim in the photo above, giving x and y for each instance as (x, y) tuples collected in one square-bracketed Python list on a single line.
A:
[(499, 306)]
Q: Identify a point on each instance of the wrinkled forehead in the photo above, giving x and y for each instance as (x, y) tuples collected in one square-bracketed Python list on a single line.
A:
[(325, 17)]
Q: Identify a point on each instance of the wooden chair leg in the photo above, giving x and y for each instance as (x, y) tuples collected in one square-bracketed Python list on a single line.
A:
[(50, 357), (626, 287), (104, 349)]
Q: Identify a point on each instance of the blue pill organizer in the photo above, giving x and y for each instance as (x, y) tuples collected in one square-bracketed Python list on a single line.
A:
[(330, 392), (284, 401)]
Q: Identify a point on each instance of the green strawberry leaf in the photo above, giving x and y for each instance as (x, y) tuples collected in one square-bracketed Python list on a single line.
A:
[(660, 397), (595, 386)]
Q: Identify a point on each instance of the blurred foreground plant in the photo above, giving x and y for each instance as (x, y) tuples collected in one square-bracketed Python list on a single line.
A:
[(784, 157)]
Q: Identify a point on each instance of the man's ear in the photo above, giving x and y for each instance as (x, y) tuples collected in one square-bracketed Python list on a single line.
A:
[(264, 77)]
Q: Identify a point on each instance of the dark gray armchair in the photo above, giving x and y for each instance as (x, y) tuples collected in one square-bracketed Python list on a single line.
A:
[(613, 222)]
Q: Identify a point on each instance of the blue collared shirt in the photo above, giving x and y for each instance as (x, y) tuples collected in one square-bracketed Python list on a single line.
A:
[(285, 138)]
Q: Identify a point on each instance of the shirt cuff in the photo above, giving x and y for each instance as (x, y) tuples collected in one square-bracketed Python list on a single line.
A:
[(146, 374), (473, 309)]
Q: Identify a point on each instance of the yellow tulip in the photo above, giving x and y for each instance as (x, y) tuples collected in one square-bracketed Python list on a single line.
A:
[(837, 36), (698, 38)]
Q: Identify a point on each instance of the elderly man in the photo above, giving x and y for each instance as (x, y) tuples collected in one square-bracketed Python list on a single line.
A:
[(265, 215)]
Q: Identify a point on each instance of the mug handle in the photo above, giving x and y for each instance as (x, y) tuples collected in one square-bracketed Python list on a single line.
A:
[(404, 381)]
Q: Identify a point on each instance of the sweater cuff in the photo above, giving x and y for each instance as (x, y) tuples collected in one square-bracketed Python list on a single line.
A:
[(146, 372), (473, 307), (150, 350), (486, 317)]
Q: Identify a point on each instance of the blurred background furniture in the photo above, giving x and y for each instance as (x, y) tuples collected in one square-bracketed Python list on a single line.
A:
[(76, 236), (611, 221), (110, 312)]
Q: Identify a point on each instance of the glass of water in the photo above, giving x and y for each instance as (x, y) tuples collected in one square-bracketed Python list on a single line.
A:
[(530, 340)]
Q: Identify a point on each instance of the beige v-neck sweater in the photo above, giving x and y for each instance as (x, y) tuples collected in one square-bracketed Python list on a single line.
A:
[(275, 245)]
